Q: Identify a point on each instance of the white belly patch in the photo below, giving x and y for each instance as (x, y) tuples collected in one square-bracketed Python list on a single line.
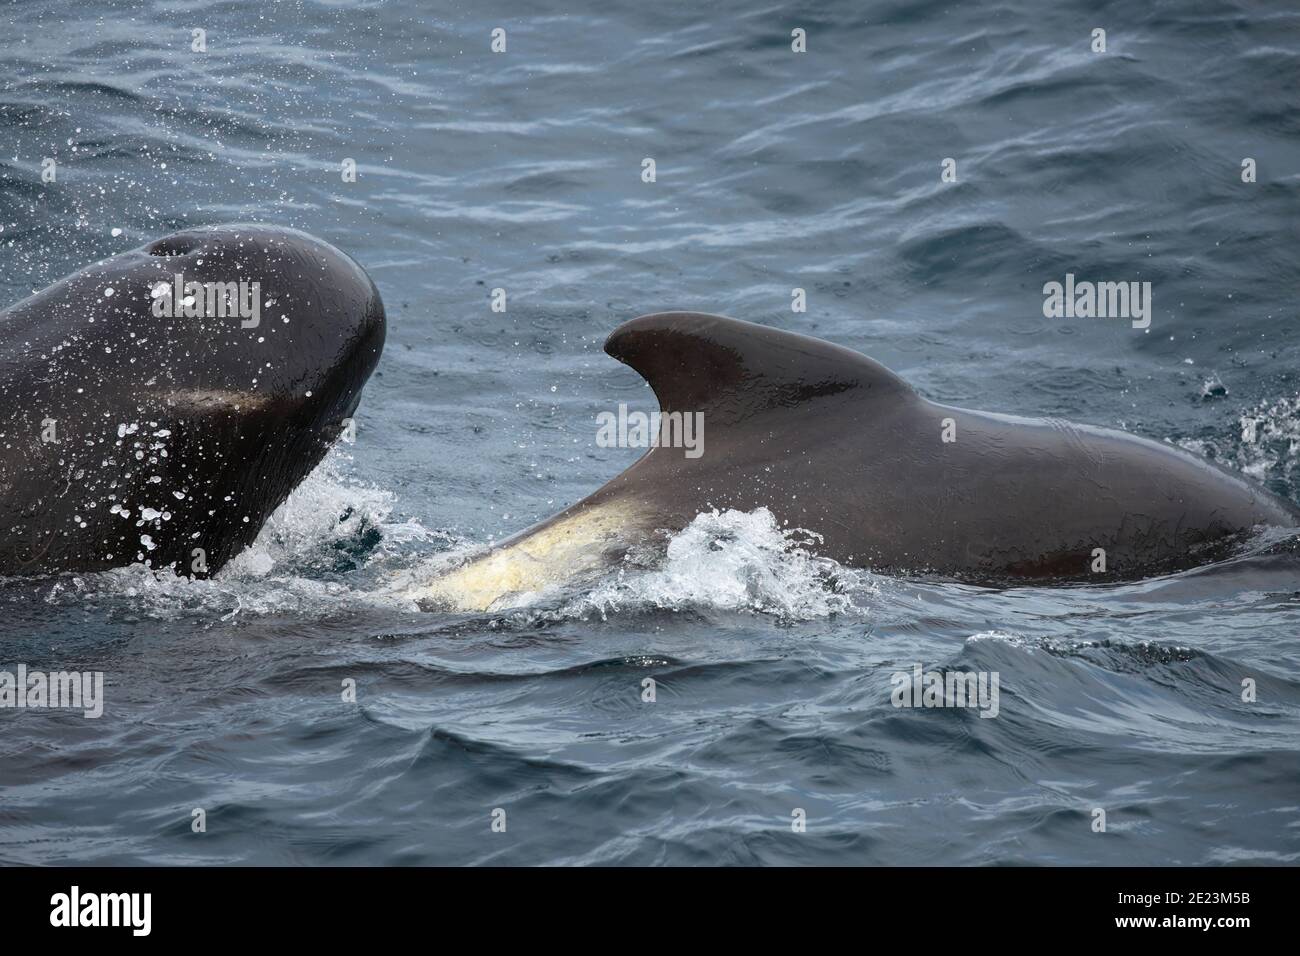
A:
[(566, 549)]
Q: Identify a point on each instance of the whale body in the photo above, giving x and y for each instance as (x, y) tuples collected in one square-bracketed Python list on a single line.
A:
[(833, 443)]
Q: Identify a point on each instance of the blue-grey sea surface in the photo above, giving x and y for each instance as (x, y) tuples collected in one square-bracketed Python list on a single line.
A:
[(772, 668)]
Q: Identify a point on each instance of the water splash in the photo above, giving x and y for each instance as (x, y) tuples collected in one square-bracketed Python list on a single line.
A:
[(1264, 445), (335, 545), (1268, 440), (317, 554), (733, 561)]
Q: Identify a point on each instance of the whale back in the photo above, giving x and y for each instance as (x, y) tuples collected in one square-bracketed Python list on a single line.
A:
[(831, 442)]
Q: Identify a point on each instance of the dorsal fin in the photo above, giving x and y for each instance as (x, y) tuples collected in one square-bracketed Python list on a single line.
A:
[(697, 362)]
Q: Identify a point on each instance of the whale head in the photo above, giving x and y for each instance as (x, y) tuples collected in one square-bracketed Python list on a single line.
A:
[(303, 324), (160, 404)]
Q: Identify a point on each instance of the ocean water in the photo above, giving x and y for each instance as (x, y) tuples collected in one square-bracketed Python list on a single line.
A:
[(772, 667)]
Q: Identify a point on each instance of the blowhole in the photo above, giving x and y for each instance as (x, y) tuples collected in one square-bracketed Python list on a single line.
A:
[(173, 245)]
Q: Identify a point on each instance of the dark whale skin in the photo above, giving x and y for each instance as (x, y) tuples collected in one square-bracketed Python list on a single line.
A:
[(199, 419), (833, 442)]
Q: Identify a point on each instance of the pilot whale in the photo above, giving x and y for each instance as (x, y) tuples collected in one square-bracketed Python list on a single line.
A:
[(833, 443), (157, 406)]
